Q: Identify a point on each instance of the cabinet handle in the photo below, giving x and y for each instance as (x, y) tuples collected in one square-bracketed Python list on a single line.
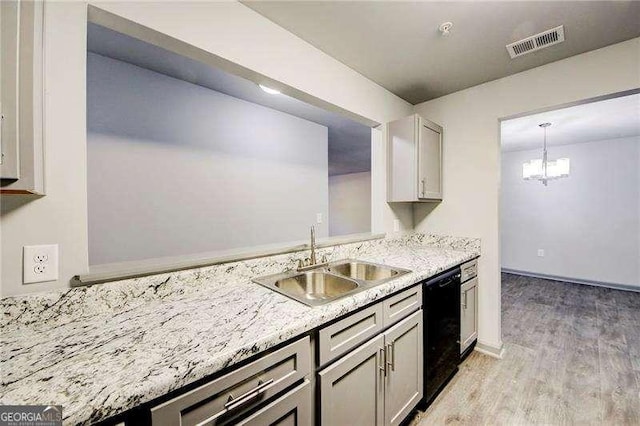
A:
[(465, 299), (236, 402), (249, 395), (382, 367), (393, 353), (423, 184)]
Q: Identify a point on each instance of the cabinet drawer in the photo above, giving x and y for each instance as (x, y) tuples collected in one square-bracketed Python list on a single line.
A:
[(293, 408), (235, 392), (401, 305), (348, 333), (468, 270), (468, 285)]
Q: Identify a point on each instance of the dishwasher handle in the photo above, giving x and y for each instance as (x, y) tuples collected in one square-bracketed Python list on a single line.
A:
[(445, 279), (449, 281)]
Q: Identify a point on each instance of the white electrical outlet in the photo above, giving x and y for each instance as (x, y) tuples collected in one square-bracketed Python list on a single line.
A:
[(540, 252), (318, 218), (396, 225), (40, 263)]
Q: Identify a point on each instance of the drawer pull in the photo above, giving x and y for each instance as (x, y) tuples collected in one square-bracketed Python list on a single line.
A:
[(249, 395), (237, 402)]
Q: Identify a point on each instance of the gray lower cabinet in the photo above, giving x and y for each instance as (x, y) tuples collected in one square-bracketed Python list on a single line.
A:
[(352, 389), (223, 400), (373, 376), (404, 373), (379, 383), (468, 313)]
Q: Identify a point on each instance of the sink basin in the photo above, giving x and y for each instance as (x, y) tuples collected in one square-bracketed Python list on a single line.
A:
[(326, 283), (313, 288), (315, 285), (364, 271)]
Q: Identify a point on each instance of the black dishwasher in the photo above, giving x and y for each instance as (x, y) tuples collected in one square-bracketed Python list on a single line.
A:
[(441, 302)]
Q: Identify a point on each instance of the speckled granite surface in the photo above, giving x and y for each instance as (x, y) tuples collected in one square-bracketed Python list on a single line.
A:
[(101, 350)]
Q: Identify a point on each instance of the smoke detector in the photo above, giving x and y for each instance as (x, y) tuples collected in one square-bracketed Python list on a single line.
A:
[(445, 28), (536, 42)]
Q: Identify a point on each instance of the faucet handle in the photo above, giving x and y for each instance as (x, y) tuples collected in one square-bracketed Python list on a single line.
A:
[(324, 259), (300, 263)]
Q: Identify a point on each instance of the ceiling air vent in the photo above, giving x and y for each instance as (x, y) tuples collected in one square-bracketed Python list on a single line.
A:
[(536, 42)]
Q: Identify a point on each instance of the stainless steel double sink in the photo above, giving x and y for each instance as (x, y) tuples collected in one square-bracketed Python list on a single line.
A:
[(326, 283)]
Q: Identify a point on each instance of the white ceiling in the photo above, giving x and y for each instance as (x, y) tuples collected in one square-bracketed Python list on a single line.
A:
[(397, 43), (349, 142), (608, 119)]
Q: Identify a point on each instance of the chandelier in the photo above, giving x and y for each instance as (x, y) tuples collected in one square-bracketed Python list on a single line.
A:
[(543, 169)]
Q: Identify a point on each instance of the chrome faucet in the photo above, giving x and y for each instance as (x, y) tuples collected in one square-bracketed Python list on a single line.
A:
[(313, 245), (312, 261)]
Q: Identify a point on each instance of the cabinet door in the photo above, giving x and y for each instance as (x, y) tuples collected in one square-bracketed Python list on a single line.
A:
[(352, 389), (22, 97), (429, 161), (402, 160), (404, 373), (468, 314), (291, 409), (9, 47)]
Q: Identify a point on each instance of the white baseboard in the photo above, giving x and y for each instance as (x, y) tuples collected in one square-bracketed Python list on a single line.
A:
[(491, 350), (625, 287)]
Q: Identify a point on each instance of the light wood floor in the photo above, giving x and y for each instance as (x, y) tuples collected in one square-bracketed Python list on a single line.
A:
[(572, 358)]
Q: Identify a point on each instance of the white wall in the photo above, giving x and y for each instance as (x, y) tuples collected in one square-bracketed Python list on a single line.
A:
[(175, 168), (588, 224), (238, 34), (61, 216), (472, 150), (350, 204), (227, 29)]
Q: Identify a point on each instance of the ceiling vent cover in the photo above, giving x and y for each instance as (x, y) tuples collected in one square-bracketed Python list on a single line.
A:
[(536, 42)]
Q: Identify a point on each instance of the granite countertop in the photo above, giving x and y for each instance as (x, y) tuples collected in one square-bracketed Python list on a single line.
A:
[(99, 351)]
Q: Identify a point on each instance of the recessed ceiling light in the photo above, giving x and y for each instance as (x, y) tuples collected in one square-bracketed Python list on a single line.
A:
[(269, 90)]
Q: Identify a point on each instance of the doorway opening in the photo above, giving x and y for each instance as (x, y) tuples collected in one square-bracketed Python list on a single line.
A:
[(570, 250)]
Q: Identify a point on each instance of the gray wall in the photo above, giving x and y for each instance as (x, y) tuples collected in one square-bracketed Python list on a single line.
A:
[(350, 204), (174, 168), (588, 224)]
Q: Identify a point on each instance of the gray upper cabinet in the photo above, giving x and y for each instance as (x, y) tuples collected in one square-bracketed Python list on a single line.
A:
[(21, 97), (9, 28), (414, 160)]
